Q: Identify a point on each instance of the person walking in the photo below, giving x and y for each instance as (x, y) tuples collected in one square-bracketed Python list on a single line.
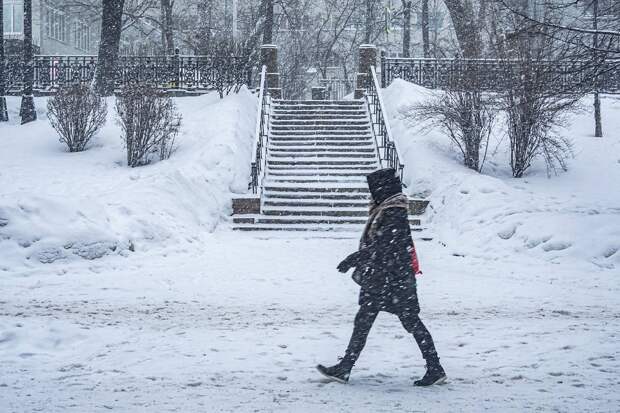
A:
[(384, 268)]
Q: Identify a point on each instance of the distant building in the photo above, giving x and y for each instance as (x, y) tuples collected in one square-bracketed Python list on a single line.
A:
[(56, 28)]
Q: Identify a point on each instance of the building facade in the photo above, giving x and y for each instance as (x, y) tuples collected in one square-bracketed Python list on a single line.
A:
[(57, 28)]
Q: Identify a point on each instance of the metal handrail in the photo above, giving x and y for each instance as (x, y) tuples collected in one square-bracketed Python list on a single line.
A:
[(388, 151), (262, 136)]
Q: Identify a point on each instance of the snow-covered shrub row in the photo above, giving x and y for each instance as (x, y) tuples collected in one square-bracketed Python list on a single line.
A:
[(56, 205), (572, 215)]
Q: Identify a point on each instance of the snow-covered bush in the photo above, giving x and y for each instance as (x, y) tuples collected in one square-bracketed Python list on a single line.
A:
[(150, 124), (467, 117), (76, 112)]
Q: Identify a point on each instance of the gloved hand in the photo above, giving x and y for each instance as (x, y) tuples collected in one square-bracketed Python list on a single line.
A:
[(348, 263)]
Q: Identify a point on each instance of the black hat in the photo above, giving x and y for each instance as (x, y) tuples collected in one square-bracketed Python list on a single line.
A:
[(383, 184)]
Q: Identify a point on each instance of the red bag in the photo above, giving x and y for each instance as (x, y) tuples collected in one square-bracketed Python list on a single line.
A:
[(415, 264)]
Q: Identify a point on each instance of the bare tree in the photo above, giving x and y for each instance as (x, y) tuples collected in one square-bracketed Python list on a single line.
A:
[(598, 44), (467, 117), (425, 29), (167, 26), (534, 98), (27, 110), (268, 25), (468, 22), (407, 27), (111, 27)]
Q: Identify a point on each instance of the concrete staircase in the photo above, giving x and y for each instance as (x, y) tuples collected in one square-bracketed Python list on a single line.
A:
[(318, 155)]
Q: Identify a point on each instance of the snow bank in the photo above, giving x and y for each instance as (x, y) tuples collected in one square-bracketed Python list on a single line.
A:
[(58, 205), (573, 215)]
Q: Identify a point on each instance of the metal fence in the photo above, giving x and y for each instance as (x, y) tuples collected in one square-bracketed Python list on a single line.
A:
[(184, 73), (493, 75), (336, 88)]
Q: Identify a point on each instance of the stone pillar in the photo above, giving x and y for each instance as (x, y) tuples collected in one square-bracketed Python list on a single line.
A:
[(269, 58), (367, 58), (319, 93)]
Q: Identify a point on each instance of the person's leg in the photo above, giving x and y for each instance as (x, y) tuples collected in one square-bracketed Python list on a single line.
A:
[(412, 323), (364, 320), (434, 371)]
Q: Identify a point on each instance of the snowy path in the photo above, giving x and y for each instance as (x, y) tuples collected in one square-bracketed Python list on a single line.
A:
[(239, 323)]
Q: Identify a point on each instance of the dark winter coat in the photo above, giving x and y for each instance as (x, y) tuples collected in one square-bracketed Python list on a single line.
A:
[(383, 265)]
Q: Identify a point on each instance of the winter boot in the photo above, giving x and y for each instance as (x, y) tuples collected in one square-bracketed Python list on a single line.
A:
[(340, 372), (434, 374)]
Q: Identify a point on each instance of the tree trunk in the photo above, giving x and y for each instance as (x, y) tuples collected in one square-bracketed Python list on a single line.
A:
[(111, 27), (598, 124), (268, 28), (369, 22), (406, 28), (166, 24), (4, 115), (27, 111), (425, 29), (466, 27), (598, 128)]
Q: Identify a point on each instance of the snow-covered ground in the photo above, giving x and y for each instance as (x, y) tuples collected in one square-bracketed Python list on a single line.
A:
[(221, 321), (56, 205)]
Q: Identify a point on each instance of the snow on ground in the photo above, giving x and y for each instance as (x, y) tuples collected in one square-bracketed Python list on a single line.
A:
[(236, 322), (238, 325), (59, 205), (574, 216)]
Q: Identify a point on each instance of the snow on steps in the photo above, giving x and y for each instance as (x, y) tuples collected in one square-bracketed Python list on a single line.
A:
[(319, 153)]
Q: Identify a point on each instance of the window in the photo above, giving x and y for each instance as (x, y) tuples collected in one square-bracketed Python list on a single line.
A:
[(55, 23), (81, 38), (13, 12)]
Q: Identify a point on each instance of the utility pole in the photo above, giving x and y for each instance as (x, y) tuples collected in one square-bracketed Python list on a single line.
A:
[(27, 111), (4, 114)]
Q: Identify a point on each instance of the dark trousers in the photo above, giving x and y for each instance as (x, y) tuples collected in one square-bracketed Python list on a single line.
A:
[(411, 322)]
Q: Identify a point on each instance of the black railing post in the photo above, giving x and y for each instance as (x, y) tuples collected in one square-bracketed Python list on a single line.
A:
[(383, 70), (4, 114), (176, 63)]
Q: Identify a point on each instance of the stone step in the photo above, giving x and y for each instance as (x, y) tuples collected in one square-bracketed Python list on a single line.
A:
[(314, 122), (319, 212), (353, 229), (331, 125), (318, 102), (313, 189), (326, 162), (364, 168), (322, 139), (316, 203), (312, 220), (313, 180), (324, 149), (320, 130), (316, 196), (318, 155), (308, 143), (317, 140), (327, 115), (313, 173)]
